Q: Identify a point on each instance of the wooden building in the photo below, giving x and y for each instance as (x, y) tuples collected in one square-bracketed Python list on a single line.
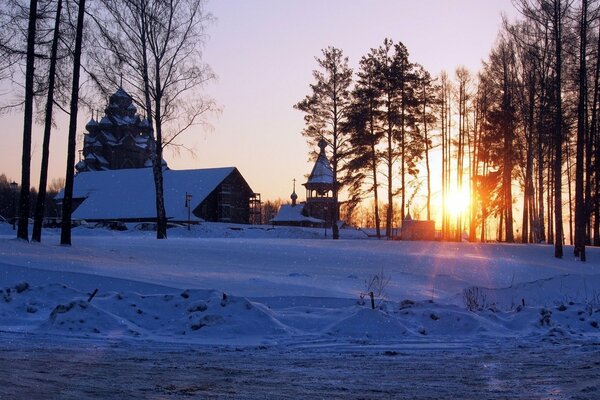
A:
[(128, 195), (417, 230), (115, 181), (120, 140), (318, 210)]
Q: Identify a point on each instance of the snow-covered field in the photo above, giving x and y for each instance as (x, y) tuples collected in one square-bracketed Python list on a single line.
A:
[(273, 312)]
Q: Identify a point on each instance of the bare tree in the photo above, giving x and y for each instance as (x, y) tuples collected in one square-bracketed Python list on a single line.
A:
[(428, 104), (41, 199), (24, 199), (155, 47), (553, 13), (67, 206), (581, 202)]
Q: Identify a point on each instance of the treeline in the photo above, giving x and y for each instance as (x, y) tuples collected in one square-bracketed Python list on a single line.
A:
[(526, 124), (9, 199), (68, 55)]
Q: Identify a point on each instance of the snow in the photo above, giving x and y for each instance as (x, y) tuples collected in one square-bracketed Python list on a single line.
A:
[(297, 286), (293, 213), (303, 297)]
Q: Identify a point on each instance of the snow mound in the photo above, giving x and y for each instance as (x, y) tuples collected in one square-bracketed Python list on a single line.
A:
[(78, 317), (199, 314), (546, 292), (431, 319), (369, 324)]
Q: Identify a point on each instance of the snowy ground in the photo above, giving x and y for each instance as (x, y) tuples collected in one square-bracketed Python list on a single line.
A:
[(253, 312)]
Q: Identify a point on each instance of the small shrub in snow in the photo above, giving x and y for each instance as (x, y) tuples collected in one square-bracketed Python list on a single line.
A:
[(434, 316), (32, 309), (562, 307), (185, 294), (475, 299), (375, 287), (594, 324)]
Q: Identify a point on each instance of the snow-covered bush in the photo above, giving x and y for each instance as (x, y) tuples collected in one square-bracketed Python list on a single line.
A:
[(475, 299), (374, 287)]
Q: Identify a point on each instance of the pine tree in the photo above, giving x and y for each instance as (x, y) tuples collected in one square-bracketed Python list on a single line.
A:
[(364, 126), (325, 111)]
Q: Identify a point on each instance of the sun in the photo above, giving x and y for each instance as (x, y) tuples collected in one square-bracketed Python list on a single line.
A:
[(457, 202)]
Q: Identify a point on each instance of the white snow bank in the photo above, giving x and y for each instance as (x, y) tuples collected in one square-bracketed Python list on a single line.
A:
[(290, 289), (214, 317)]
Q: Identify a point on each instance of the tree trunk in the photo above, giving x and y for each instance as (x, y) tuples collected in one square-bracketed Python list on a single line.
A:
[(595, 134), (65, 234), (375, 184), (540, 158), (570, 190), (390, 208), (161, 217), (23, 228), (444, 159), (528, 195), (335, 232), (580, 205), (38, 218), (558, 135)]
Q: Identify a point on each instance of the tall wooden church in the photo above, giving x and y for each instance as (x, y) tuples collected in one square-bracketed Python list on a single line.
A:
[(121, 139), (318, 210), (115, 181)]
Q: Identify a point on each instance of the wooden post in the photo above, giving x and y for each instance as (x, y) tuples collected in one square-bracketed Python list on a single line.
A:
[(92, 295), (372, 300)]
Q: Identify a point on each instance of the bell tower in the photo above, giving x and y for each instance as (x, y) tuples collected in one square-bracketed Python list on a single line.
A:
[(320, 200)]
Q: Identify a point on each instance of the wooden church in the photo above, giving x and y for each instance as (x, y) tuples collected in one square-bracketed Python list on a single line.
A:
[(318, 210), (120, 140), (115, 181)]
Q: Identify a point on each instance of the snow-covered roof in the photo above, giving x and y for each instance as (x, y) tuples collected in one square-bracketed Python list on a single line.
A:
[(105, 121), (290, 213), (129, 193), (322, 173), (91, 124), (125, 120)]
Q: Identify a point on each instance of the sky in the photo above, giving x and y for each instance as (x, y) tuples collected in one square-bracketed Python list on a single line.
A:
[(263, 53)]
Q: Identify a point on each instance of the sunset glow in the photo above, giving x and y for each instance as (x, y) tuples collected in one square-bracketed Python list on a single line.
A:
[(457, 203)]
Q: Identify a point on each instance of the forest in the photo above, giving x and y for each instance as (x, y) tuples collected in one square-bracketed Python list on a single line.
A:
[(522, 129)]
